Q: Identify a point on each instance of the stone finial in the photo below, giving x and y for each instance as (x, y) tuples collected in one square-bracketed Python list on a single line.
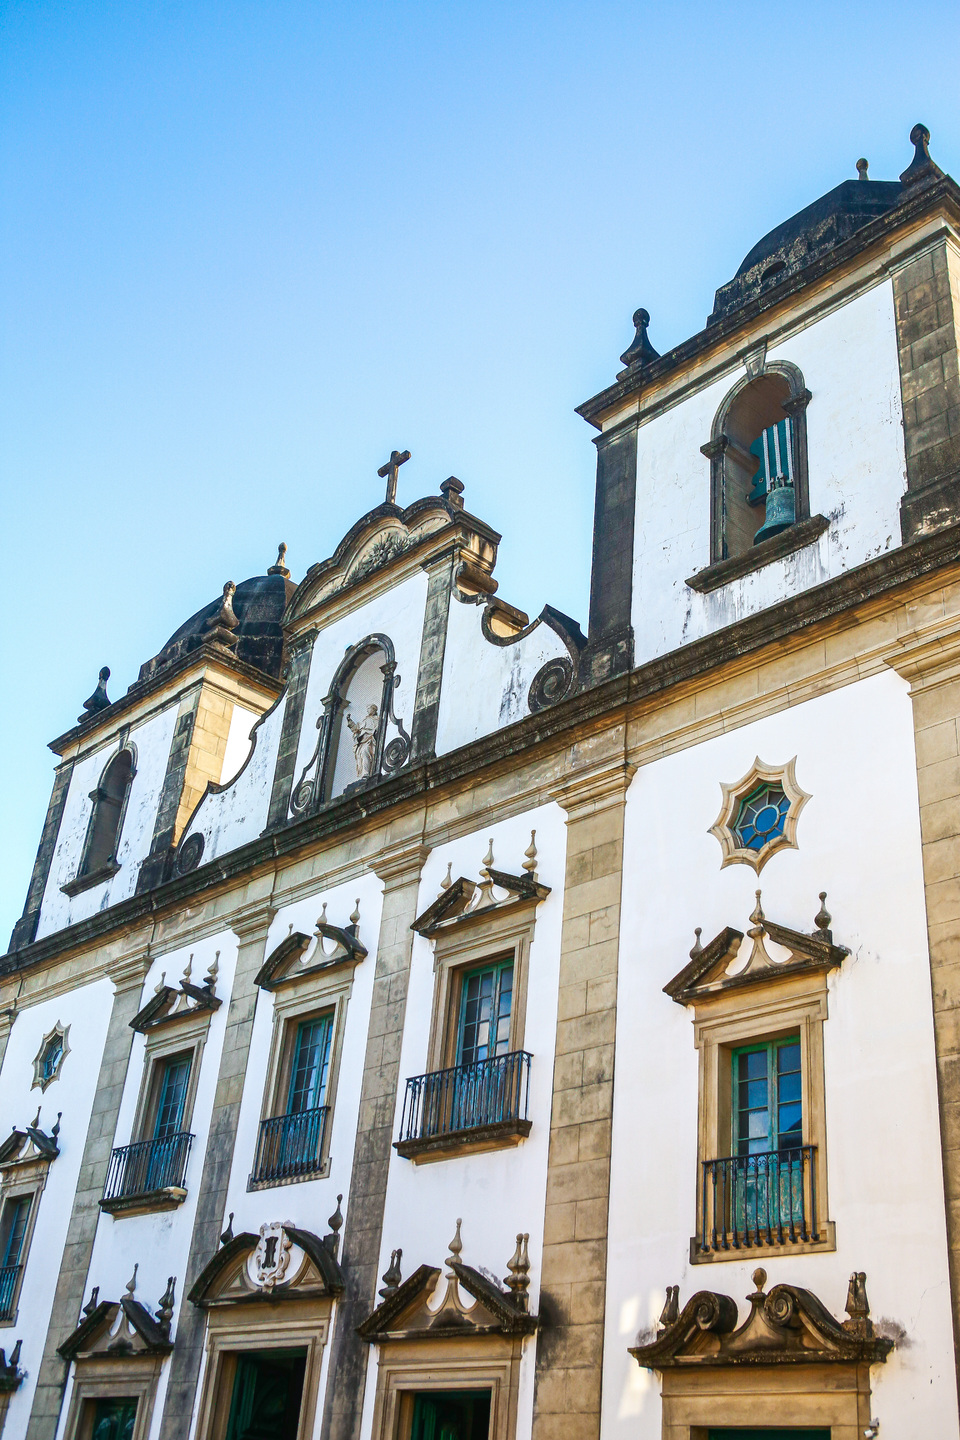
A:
[(921, 167), (162, 984), (55, 1132), (697, 947), (92, 1303), (99, 700), (335, 1221), (759, 1278), (486, 880), (15, 1355), (355, 914), (187, 971), (322, 918), (862, 168), (391, 1277), (640, 352), (280, 567), (132, 1282), (219, 628), (165, 1308), (519, 1266), (35, 1123), (822, 921), (447, 880), (455, 1247), (210, 979), (757, 918), (858, 1306), (530, 856), (671, 1308), (452, 491), (227, 1235)]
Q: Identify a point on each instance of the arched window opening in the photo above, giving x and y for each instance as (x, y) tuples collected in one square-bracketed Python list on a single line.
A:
[(758, 461), (362, 720), (109, 803)]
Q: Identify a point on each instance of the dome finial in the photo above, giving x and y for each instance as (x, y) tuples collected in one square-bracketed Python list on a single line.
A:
[(921, 167), (220, 626), (640, 352), (280, 568), (862, 167), (99, 700)]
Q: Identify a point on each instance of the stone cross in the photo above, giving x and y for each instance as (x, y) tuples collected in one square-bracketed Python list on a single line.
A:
[(388, 472)]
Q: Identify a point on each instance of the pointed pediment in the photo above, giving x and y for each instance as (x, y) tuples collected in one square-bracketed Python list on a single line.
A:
[(172, 1004), (116, 1330), (462, 1304), (29, 1146), (299, 955), (787, 1325), (281, 1263), (466, 902), (712, 969)]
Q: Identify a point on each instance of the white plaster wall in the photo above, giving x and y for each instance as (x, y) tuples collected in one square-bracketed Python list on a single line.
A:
[(160, 1243), (399, 614), (238, 742), (857, 474), (229, 818), (87, 1012), (859, 840), (485, 686), (502, 1191), (152, 740)]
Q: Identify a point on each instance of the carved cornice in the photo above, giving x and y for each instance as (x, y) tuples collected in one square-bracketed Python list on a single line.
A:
[(598, 788), (399, 864), (253, 924)]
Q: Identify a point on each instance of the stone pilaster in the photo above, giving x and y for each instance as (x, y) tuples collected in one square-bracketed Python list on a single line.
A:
[(609, 649), (298, 673), (933, 670), (573, 1279), (26, 927), (251, 928), (399, 868), (926, 294), (426, 710), (128, 977)]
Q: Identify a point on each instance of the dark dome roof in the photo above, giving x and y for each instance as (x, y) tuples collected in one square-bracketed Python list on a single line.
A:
[(805, 237), (259, 604)]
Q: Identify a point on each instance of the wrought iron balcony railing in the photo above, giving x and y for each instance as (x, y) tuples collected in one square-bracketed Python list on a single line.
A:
[(147, 1167), (765, 1199), (9, 1276), (291, 1145), (467, 1097)]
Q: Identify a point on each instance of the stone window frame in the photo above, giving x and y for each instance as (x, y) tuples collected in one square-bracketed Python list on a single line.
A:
[(469, 1363), (806, 528), (84, 879), (734, 793), (290, 1325), (29, 1181), (784, 1006), (38, 1080), (835, 1397), (499, 934), (304, 998), (103, 1378)]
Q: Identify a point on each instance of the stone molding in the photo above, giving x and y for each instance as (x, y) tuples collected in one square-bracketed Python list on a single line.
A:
[(399, 864)]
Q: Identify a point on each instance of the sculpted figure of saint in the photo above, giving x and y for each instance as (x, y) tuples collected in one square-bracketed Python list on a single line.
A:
[(364, 734)]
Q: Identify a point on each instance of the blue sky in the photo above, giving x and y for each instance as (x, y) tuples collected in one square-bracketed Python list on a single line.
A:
[(248, 249)]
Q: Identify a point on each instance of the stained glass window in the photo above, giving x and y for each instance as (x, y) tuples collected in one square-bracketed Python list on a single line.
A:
[(761, 816)]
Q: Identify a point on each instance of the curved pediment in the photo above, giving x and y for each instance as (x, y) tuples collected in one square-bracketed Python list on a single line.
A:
[(281, 1263), (385, 539)]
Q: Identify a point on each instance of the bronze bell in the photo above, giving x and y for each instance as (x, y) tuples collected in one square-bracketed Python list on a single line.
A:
[(781, 508)]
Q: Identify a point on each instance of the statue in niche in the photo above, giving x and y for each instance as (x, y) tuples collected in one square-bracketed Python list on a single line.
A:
[(364, 734)]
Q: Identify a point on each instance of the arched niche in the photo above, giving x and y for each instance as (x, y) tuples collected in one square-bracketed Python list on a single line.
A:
[(361, 738), (758, 460), (110, 798)]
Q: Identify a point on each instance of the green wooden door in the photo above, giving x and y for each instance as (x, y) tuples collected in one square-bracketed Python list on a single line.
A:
[(266, 1396), (113, 1419), (778, 1434), (451, 1415)]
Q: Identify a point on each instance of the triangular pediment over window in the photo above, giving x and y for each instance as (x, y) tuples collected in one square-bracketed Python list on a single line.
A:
[(470, 1305), (299, 955), (787, 1325), (281, 1263), (713, 969), (116, 1330), (465, 902)]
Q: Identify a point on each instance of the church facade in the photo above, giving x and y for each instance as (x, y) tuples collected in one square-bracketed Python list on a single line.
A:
[(426, 1023)]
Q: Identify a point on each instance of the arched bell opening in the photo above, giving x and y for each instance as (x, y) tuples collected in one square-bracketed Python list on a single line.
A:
[(758, 461), (106, 821)]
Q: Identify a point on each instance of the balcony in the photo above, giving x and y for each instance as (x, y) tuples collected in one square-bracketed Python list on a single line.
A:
[(753, 1202), (290, 1147), (9, 1281), (148, 1175), (482, 1106)]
